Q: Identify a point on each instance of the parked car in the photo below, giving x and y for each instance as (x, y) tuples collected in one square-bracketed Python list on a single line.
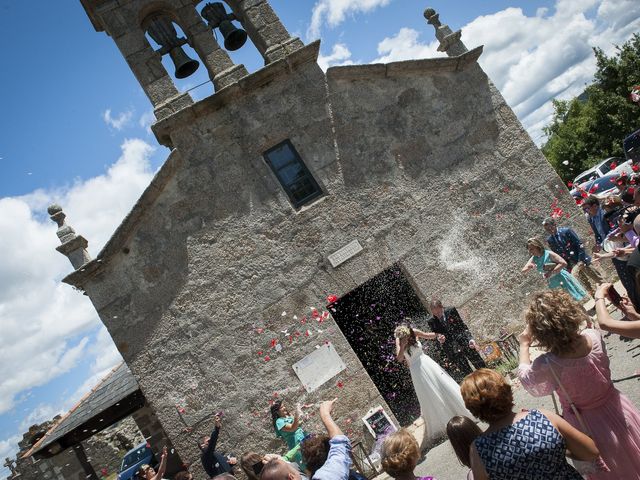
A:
[(134, 459), (600, 187), (603, 168), (631, 146)]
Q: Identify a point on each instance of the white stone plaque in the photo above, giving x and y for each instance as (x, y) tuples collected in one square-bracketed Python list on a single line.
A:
[(318, 367), (345, 253)]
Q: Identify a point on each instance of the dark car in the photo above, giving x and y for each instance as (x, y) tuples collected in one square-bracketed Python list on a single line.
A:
[(600, 187), (631, 146), (134, 459)]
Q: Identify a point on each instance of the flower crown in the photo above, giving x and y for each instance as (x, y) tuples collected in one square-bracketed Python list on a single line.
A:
[(402, 331)]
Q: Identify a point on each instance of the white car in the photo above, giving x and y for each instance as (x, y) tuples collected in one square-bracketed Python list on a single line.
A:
[(603, 168)]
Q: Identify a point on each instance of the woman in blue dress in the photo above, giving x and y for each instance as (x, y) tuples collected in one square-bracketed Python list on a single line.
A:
[(528, 445), (553, 268)]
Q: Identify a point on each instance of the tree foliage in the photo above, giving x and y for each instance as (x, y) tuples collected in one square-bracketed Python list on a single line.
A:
[(591, 127)]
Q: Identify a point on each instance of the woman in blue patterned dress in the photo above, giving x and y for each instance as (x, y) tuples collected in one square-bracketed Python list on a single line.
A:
[(529, 445), (553, 268)]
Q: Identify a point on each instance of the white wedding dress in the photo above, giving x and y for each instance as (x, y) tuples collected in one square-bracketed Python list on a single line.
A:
[(438, 393)]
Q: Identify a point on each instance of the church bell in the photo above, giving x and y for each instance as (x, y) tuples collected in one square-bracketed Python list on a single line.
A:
[(164, 34), (217, 17), (185, 65)]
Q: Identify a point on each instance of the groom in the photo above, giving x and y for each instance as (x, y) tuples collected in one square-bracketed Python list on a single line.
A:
[(459, 347)]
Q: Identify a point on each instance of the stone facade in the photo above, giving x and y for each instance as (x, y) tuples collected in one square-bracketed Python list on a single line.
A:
[(421, 161)]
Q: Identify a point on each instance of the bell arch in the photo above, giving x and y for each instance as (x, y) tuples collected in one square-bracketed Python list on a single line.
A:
[(264, 28)]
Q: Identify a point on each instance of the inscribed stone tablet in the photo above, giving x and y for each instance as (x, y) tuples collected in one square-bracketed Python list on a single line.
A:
[(319, 367), (345, 253)]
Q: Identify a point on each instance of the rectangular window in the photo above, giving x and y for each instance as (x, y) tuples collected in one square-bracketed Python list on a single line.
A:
[(293, 174)]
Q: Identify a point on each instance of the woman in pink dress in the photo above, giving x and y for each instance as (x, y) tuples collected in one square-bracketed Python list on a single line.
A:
[(579, 361)]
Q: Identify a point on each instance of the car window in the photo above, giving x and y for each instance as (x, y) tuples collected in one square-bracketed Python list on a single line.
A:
[(134, 457), (632, 146), (606, 167), (601, 185), (584, 178)]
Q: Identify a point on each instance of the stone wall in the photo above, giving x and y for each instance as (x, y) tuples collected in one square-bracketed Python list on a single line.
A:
[(422, 162), (106, 449)]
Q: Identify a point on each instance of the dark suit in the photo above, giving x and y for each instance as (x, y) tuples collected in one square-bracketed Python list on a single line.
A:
[(455, 349), (214, 463)]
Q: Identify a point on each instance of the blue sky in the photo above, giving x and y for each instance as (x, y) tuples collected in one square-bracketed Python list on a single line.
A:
[(75, 130)]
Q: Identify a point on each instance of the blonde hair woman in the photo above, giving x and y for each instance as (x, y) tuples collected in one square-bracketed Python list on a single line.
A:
[(400, 455)]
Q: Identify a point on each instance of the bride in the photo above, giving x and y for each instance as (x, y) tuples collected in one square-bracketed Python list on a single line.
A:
[(438, 393)]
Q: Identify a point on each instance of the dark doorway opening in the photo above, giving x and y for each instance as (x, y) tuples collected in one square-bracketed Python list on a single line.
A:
[(367, 317)]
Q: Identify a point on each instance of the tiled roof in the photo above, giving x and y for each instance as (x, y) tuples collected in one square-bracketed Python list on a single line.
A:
[(116, 386)]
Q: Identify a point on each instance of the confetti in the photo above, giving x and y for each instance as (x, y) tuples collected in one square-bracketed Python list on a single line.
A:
[(566, 162), (284, 314), (332, 298), (267, 358)]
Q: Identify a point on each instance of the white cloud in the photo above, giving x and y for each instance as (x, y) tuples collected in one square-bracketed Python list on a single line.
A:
[(333, 12), (8, 448), (46, 325), (41, 413), (146, 120), (106, 356), (405, 45), (119, 121), (534, 59), (340, 55)]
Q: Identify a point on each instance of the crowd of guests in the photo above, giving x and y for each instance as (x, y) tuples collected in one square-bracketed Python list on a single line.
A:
[(597, 427), (595, 435)]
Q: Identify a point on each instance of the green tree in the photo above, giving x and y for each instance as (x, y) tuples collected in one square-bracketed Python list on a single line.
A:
[(591, 127)]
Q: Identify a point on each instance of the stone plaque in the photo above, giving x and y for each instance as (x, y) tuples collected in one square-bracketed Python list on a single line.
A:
[(318, 367), (345, 253)]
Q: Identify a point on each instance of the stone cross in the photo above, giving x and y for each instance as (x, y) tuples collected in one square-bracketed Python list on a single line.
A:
[(450, 42), (73, 246)]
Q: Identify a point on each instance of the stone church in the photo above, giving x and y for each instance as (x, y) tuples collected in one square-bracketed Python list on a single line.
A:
[(300, 215)]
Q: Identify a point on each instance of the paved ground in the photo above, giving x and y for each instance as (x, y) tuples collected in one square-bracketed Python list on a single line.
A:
[(441, 463)]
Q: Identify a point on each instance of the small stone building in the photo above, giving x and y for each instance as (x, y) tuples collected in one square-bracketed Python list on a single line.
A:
[(383, 185)]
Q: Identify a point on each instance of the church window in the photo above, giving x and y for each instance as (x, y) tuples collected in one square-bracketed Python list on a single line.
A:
[(293, 174)]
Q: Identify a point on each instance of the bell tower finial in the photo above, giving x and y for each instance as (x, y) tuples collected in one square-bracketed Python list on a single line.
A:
[(450, 42), (73, 246)]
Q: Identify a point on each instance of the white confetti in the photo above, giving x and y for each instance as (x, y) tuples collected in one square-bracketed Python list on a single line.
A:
[(284, 314), (278, 347), (566, 162)]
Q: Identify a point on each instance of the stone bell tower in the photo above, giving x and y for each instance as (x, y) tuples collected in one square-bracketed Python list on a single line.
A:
[(127, 22)]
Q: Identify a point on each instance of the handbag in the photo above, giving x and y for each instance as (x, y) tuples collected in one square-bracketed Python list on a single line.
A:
[(582, 466)]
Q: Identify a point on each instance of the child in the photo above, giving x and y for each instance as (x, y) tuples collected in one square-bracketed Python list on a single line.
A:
[(400, 455), (462, 431)]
